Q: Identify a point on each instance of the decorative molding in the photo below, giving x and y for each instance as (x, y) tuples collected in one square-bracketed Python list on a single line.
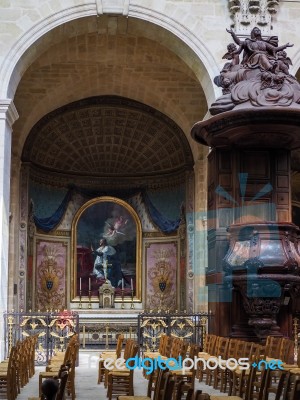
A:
[(248, 13), (157, 235), (58, 180), (23, 243), (8, 111), (60, 233)]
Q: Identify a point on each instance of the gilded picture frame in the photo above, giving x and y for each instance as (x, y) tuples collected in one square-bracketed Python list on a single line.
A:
[(114, 222)]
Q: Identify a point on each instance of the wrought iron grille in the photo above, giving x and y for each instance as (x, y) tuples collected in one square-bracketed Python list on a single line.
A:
[(105, 335), (190, 327), (54, 330)]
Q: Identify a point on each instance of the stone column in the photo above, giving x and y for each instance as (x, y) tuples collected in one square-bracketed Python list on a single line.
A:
[(8, 115)]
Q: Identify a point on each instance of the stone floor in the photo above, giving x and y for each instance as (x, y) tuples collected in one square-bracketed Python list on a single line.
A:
[(86, 380)]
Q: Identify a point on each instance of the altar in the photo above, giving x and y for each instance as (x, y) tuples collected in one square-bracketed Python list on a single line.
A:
[(101, 329)]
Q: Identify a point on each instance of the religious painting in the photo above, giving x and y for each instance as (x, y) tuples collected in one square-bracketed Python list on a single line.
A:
[(161, 260), (106, 237), (50, 275)]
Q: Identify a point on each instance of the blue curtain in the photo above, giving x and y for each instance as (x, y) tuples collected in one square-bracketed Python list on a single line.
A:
[(49, 223), (164, 224)]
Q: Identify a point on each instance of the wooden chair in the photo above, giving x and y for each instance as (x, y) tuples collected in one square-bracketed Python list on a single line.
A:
[(256, 383), (277, 382), (62, 385), (201, 396), (63, 358), (61, 388), (8, 378), (221, 350), (220, 374), (209, 343), (238, 378), (227, 377), (109, 354), (52, 374), (55, 369), (286, 351), (295, 392), (186, 378), (209, 349), (127, 351), (273, 346), (161, 349), (120, 382), (163, 389)]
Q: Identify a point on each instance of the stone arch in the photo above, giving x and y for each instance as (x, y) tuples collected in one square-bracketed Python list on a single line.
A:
[(22, 53)]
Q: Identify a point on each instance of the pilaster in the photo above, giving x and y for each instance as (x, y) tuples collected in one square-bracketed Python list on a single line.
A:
[(8, 115)]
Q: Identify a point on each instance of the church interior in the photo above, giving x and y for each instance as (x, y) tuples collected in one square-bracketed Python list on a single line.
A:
[(150, 185)]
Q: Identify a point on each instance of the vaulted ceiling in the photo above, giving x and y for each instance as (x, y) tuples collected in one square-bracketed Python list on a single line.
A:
[(108, 136)]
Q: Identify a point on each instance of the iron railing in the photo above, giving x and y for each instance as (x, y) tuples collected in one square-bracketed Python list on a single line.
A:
[(190, 327), (54, 330)]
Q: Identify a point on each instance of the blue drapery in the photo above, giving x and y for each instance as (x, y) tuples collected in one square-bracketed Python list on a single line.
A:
[(164, 224), (48, 224)]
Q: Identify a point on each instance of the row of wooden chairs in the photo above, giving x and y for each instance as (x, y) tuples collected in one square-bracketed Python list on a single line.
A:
[(275, 347), (173, 347), (216, 346), (250, 383), (16, 371), (169, 346)]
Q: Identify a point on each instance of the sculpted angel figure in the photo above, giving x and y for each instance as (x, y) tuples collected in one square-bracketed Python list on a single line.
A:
[(232, 54), (283, 62), (258, 52)]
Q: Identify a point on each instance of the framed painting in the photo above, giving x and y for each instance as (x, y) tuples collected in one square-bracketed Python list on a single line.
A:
[(106, 242)]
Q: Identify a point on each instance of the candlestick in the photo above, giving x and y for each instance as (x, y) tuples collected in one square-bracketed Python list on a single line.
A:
[(122, 294), (89, 284), (80, 304), (131, 284), (132, 304), (90, 305)]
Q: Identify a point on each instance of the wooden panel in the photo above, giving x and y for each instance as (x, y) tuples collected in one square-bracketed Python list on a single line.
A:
[(282, 161), (225, 180), (283, 181), (283, 215), (255, 163), (225, 163), (283, 199)]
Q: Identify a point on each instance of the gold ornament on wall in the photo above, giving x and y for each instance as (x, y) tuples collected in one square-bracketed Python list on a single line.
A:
[(50, 293), (162, 280)]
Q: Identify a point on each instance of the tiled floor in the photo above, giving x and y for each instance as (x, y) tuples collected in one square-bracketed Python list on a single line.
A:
[(86, 380)]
